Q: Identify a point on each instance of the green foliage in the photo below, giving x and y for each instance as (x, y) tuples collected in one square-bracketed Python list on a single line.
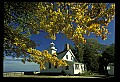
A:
[(102, 47), (86, 73), (106, 58), (109, 52), (90, 58)]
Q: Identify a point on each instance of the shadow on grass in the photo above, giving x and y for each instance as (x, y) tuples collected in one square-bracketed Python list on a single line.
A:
[(104, 76), (29, 73)]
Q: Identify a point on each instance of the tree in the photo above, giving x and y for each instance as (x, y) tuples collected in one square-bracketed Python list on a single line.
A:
[(109, 52), (88, 53), (102, 48), (91, 55), (22, 19), (107, 57)]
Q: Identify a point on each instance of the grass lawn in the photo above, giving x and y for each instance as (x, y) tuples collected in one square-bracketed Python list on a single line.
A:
[(53, 76), (44, 76)]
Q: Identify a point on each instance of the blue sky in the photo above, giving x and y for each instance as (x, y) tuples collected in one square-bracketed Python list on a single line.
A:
[(60, 42)]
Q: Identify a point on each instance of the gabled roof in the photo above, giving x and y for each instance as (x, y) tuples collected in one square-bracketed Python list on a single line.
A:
[(61, 54), (74, 56)]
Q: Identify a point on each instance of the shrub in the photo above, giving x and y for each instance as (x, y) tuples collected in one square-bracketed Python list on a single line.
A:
[(86, 73)]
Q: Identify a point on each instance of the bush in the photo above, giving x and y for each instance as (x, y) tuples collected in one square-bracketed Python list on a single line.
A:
[(86, 73)]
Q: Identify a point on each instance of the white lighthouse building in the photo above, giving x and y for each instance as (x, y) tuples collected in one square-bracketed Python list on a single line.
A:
[(52, 48)]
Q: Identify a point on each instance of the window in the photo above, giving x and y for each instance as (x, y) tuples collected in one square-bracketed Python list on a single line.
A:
[(82, 67), (76, 66), (71, 57), (108, 67), (49, 65), (66, 56), (55, 66), (66, 67)]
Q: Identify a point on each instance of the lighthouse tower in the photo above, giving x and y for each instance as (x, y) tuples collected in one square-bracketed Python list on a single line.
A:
[(52, 48)]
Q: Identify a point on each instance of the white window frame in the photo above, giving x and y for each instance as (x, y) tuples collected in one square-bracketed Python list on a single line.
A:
[(77, 67)]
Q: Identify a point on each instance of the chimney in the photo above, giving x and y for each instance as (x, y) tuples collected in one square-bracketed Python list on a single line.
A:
[(67, 46)]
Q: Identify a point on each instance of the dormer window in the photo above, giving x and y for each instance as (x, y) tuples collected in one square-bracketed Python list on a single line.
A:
[(66, 56)]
